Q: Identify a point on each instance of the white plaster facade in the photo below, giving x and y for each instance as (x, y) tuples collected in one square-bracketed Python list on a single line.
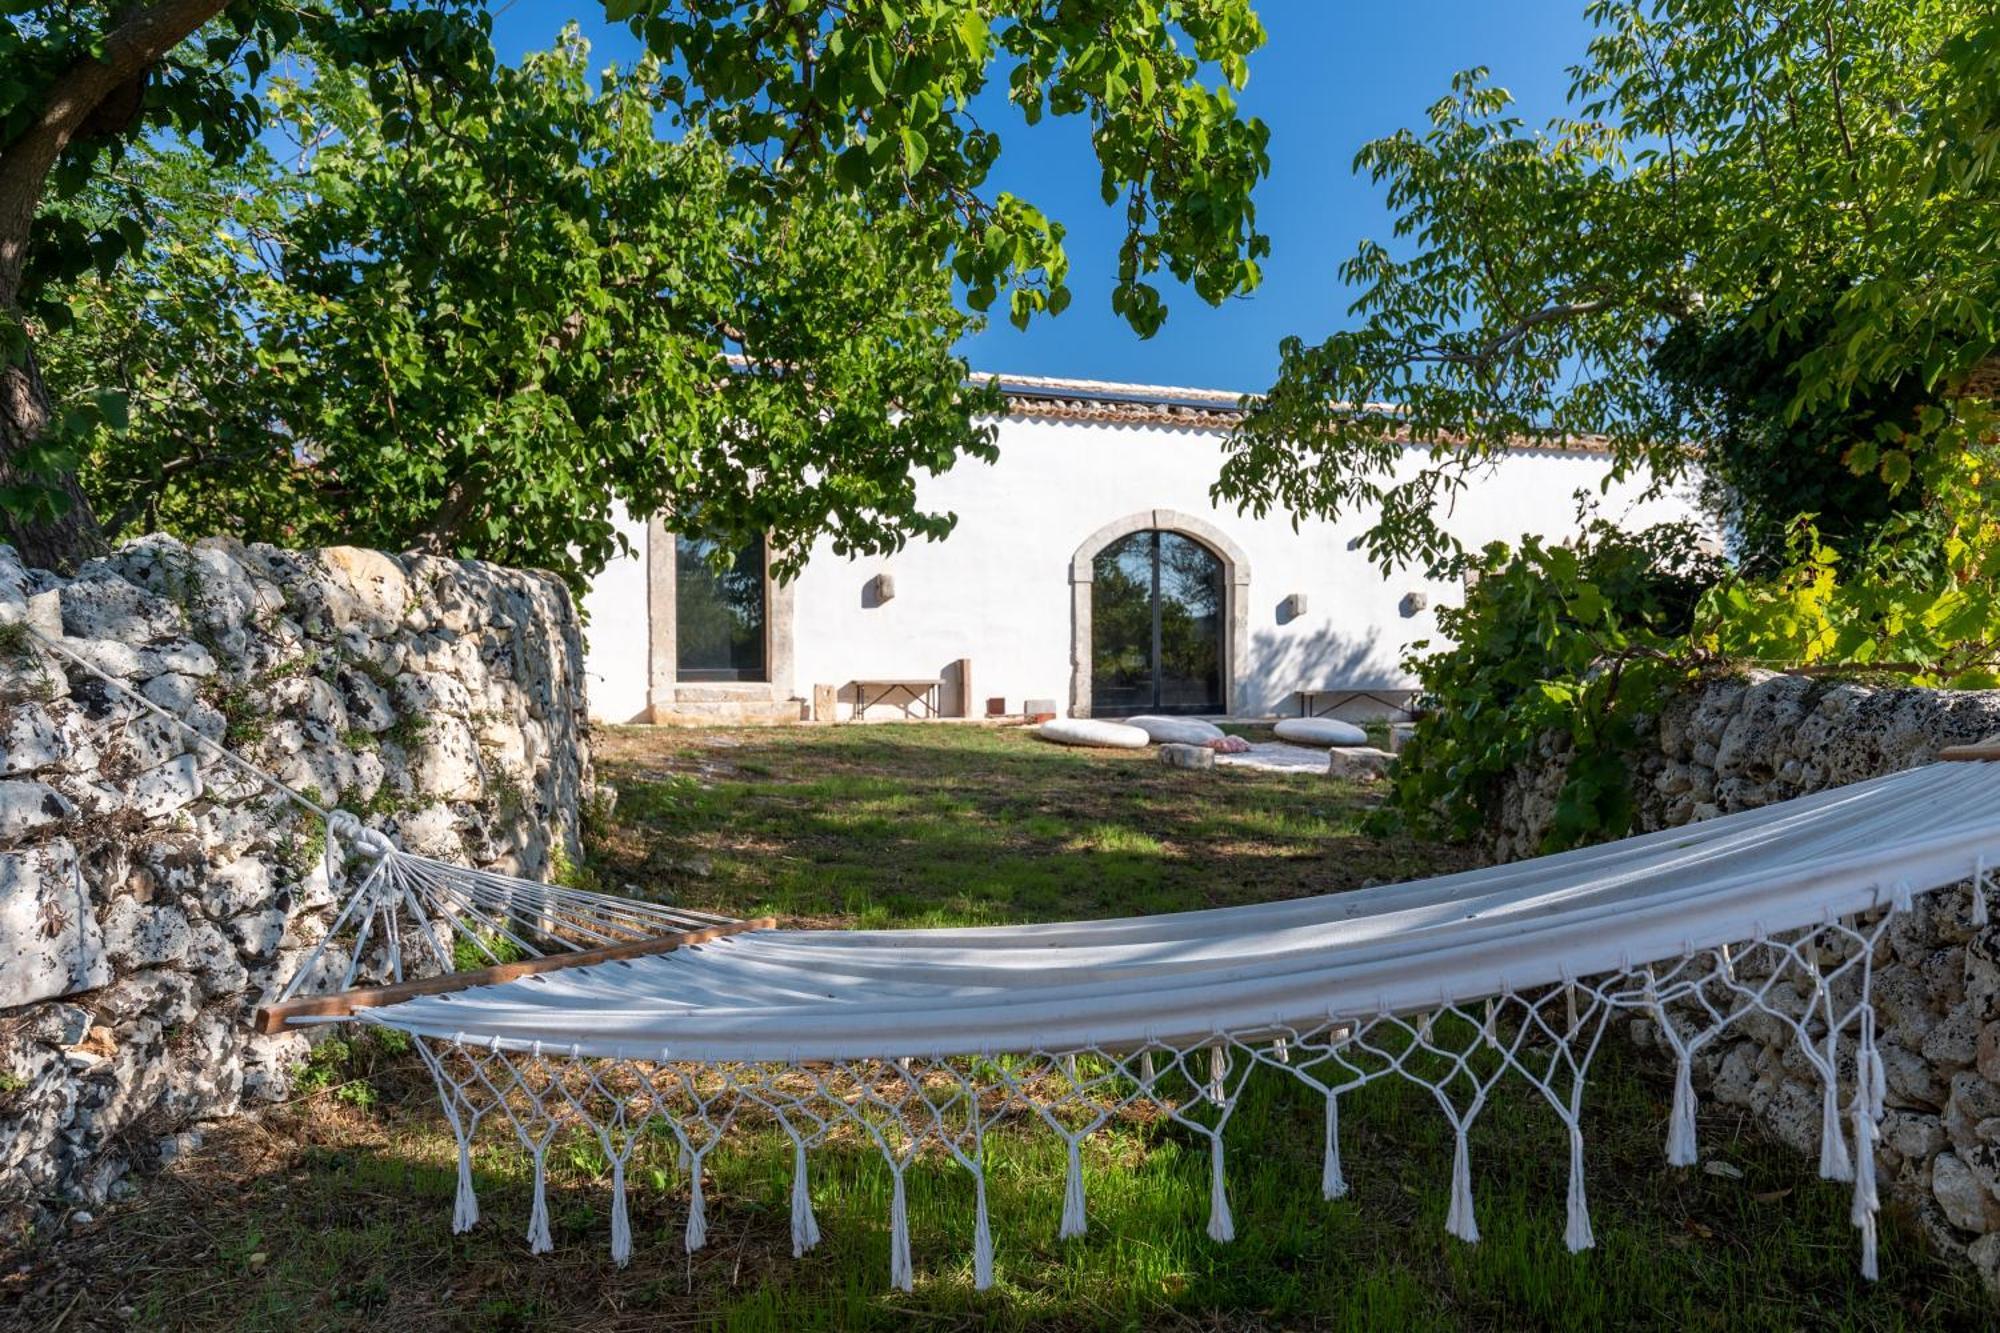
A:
[(1009, 590)]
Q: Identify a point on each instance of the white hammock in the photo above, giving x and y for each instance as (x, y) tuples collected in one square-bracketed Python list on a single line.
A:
[(923, 1040), (890, 1038)]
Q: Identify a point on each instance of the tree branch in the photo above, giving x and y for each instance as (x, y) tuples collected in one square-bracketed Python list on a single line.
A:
[(25, 162)]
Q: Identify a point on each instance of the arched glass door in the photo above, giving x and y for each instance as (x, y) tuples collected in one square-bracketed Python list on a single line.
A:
[(1156, 627)]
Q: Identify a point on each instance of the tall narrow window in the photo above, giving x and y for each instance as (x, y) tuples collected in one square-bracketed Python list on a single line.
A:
[(718, 618)]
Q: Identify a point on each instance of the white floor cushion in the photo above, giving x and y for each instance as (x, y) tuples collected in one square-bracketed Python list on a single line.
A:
[(1175, 730), (1092, 731), (1320, 731)]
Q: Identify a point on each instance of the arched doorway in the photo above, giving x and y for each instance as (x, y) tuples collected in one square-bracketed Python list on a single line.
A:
[(1156, 617), (1156, 626)]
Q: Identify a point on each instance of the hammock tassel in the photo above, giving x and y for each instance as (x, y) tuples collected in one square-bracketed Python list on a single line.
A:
[(1682, 1148), (621, 1221), (1834, 1163), (1074, 1223), (901, 1275), (1577, 1235), (982, 1235), (465, 1207), (1459, 1220), (1221, 1226), (697, 1227), (1867, 1106), (1332, 1184), (805, 1227), (539, 1240)]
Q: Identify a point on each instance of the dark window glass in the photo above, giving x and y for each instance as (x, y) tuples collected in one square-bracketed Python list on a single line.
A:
[(718, 618), (1156, 627)]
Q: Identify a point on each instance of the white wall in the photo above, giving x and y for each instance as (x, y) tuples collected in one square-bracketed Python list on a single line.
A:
[(997, 590), (617, 657)]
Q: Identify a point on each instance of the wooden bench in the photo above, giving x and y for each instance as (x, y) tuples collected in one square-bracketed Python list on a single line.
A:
[(914, 694), (1321, 700)]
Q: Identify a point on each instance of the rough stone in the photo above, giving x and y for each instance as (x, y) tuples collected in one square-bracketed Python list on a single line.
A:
[(1967, 1204), (150, 894), (27, 806), (1359, 763), (1176, 755)]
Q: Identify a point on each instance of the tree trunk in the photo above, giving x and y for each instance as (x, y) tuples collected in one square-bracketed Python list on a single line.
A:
[(62, 542), (113, 74)]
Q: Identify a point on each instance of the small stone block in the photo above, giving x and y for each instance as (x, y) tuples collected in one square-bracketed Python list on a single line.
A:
[(1359, 763), (1175, 755), (826, 699)]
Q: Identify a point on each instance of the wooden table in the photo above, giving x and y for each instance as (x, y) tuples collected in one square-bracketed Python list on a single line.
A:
[(914, 694)]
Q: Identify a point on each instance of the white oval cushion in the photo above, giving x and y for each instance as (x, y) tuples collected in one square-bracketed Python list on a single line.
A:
[(1092, 731), (1320, 731), (1176, 730)]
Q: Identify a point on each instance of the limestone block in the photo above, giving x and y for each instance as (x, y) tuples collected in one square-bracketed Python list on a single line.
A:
[(1967, 1204), (1175, 754), (99, 604), (172, 691), (50, 942), (235, 887), (1359, 763), (161, 790), (140, 934), (27, 806), (32, 740)]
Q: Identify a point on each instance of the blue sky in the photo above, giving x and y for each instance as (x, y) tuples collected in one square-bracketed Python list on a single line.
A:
[(1334, 74)]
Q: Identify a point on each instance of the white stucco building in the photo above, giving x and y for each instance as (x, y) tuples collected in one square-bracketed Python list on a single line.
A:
[(1089, 567)]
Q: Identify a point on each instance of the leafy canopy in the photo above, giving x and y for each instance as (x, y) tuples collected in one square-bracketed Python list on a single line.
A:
[(818, 133), (1823, 176), (483, 337)]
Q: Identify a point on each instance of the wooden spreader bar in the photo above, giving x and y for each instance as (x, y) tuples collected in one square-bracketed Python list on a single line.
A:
[(1986, 751), (273, 1017)]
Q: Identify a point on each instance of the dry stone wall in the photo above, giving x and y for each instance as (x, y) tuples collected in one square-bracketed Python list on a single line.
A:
[(151, 895), (1739, 743)]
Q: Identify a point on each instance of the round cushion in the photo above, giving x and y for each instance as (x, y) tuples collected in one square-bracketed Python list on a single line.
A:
[(1092, 731), (1319, 731), (1176, 730)]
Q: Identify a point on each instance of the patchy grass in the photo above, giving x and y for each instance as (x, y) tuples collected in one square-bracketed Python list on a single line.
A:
[(334, 1212)]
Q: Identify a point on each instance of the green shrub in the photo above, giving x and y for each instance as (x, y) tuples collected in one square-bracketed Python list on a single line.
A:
[(1577, 639)]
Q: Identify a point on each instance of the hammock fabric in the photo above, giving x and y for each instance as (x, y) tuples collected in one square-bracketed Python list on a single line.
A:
[(922, 1041)]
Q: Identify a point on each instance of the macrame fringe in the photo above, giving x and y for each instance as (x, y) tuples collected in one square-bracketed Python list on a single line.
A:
[(805, 1227), (901, 1274), (1221, 1226), (697, 1227), (1682, 1147), (1577, 1235), (1459, 1220), (1074, 1223), (982, 1234), (539, 1240), (1332, 1184), (621, 1220)]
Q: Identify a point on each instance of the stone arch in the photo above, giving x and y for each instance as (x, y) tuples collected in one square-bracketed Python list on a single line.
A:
[(1236, 602)]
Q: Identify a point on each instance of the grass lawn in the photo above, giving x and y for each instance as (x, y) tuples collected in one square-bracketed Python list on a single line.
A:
[(334, 1211)]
